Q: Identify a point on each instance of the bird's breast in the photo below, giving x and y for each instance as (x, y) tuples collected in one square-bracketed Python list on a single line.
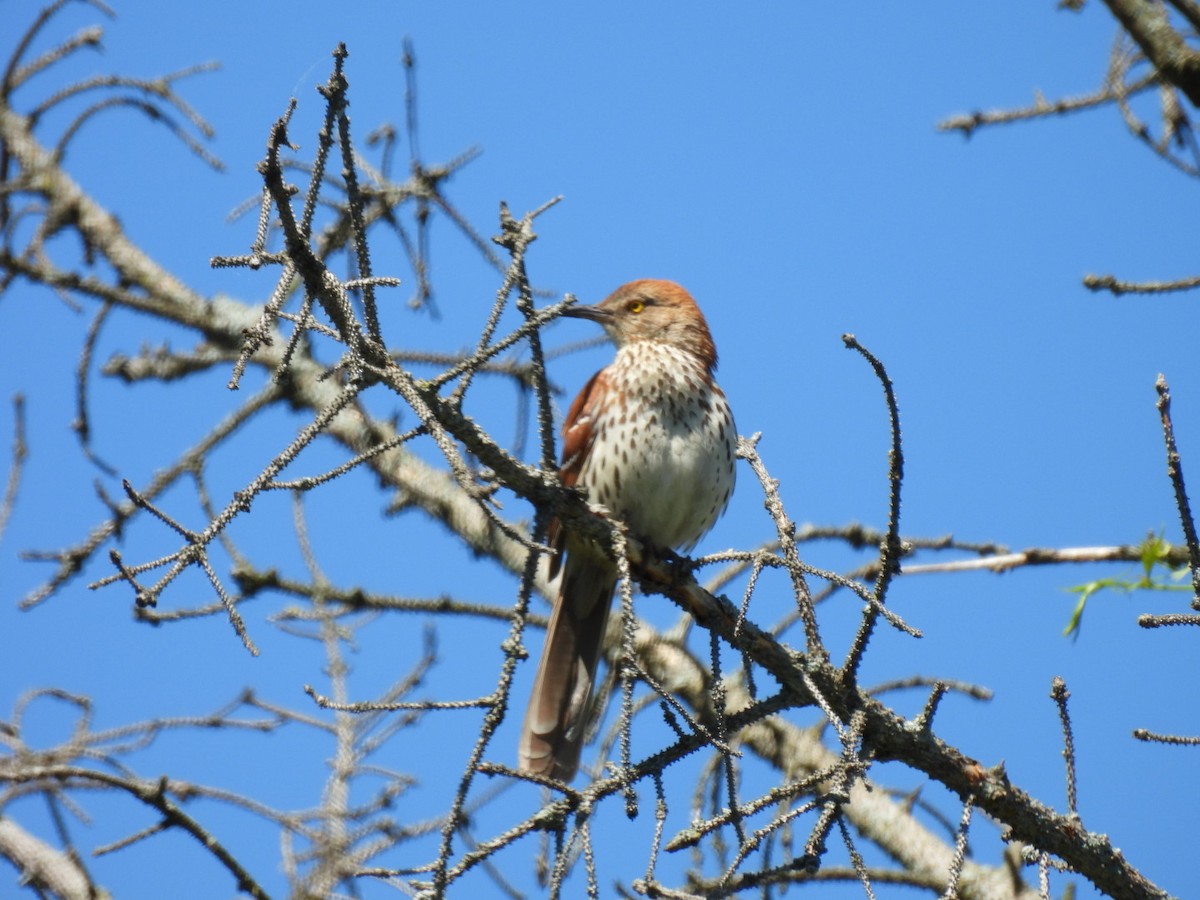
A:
[(662, 459)]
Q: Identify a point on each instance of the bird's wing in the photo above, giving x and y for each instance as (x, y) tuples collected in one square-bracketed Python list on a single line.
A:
[(578, 435)]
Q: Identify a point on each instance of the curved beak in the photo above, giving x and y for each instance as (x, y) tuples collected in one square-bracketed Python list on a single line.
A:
[(592, 313)]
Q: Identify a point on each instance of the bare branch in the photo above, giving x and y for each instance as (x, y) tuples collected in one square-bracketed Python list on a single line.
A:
[(1165, 47), (20, 451), (1175, 473)]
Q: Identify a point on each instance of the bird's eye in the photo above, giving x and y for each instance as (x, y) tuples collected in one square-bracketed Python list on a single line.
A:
[(635, 306)]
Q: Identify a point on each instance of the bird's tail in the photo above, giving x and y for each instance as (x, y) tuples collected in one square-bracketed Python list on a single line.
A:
[(559, 707)]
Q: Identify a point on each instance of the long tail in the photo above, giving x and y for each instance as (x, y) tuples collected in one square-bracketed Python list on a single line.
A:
[(557, 717)]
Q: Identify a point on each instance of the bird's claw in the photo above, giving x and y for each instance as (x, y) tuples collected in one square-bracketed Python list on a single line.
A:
[(681, 567)]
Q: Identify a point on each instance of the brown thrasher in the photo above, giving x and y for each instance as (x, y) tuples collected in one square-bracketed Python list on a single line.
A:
[(652, 440)]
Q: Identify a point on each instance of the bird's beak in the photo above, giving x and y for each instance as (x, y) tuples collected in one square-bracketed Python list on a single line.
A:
[(592, 313)]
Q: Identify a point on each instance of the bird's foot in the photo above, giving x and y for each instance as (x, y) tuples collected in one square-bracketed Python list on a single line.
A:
[(679, 567)]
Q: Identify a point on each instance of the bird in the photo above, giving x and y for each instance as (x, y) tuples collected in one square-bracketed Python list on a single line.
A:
[(651, 439)]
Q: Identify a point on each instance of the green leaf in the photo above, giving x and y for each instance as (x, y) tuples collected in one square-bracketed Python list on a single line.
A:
[(1153, 551)]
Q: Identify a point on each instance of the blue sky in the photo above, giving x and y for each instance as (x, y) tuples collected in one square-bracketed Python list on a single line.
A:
[(782, 162)]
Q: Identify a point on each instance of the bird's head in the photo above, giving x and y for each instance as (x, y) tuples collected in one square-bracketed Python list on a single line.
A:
[(652, 309)]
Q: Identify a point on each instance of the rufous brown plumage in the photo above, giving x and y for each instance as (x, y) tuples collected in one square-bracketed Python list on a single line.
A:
[(652, 440)]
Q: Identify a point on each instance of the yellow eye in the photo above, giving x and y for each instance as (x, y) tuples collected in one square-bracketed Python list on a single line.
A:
[(635, 306)]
